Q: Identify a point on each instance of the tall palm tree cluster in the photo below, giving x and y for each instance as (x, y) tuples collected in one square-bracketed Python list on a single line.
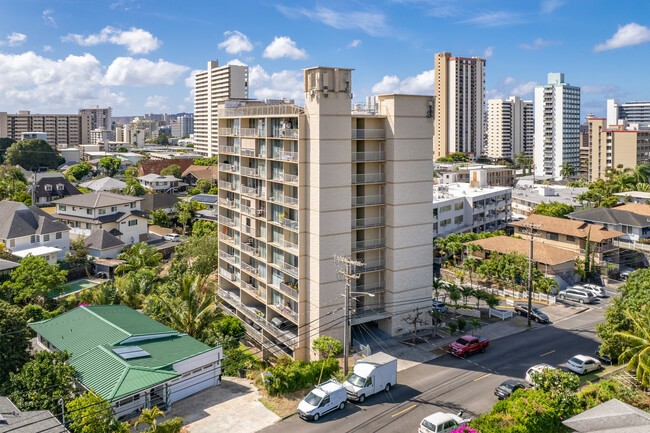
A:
[(454, 244), (617, 180)]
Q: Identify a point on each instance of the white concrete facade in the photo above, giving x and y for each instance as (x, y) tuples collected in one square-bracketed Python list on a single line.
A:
[(215, 85), (632, 112), (510, 128), (100, 118), (557, 126)]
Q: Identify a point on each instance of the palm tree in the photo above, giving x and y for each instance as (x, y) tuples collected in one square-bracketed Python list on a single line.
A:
[(470, 264), (190, 306), (454, 294), (148, 417), (492, 300), (138, 256), (637, 345), (476, 324), (641, 173), (567, 170), (436, 285), (466, 291)]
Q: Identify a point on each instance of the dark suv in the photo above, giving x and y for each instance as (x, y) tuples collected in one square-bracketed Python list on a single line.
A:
[(536, 313)]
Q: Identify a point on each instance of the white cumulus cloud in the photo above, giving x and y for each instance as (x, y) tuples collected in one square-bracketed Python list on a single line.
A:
[(283, 46), (489, 51), (355, 43), (524, 89), (627, 35), (236, 62), (236, 42), (47, 48), (421, 84), (14, 39), (508, 80), (127, 71), (48, 18), (156, 102), (136, 41), (283, 84)]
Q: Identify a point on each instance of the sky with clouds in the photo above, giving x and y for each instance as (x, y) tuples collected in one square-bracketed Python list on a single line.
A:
[(138, 56)]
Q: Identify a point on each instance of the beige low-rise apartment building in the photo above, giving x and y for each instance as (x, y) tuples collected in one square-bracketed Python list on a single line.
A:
[(611, 146), (301, 185), (61, 129), (572, 235)]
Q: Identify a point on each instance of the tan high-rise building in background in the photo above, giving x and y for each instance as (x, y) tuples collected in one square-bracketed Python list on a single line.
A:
[(459, 105), (100, 118), (298, 186), (611, 146), (215, 85), (61, 129), (510, 128)]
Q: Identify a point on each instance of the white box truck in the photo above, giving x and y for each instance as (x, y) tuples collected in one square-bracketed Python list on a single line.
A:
[(325, 398), (372, 374)]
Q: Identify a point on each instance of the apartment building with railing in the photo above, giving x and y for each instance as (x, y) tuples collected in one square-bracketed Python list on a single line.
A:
[(298, 186)]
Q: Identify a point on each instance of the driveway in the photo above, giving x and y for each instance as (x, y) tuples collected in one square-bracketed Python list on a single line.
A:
[(232, 407)]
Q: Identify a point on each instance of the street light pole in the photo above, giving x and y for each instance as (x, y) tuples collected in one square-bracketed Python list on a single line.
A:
[(531, 228)]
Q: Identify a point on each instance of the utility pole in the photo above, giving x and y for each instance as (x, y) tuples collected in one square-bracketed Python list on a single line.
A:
[(531, 227), (347, 270)]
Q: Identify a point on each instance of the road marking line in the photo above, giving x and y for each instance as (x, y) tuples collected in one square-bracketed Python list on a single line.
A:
[(482, 377), (547, 353), (401, 412)]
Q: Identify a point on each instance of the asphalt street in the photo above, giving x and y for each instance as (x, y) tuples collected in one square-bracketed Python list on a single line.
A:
[(451, 384)]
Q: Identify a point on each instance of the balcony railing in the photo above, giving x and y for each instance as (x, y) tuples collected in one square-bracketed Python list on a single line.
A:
[(290, 200), (225, 184), (288, 290), (290, 178), (233, 260), (368, 313), (289, 245), (248, 152), (226, 131), (252, 231), (227, 202), (228, 275), (252, 132), (368, 156), (248, 268), (368, 200), (225, 238), (227, 149), (375, 265), (370, 287), (368, 244), (249, 171), (250, 249), (368, 134), (368, 178), (288, 156), (228, 167), (250, 191), (230, 222), (289, 133), (286, 311), (254, 290), (291, 224), (289, 269), (362, 223), (257, 335)]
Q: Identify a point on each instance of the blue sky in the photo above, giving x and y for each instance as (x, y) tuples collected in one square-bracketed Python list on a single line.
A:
[(138, 55)]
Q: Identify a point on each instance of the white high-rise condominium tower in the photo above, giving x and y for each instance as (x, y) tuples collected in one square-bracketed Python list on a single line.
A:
[(459, 105), (213, 86), (510, 128), (632, 112), (557, 126), (298, 186)]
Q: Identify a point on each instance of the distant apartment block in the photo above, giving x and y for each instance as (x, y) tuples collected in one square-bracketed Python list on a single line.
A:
[(611, 146), (101, 136), (510, 129), (557, 126), (100, 118), (632, 112), (525, 198), (459, 105), (184, 125), (215, 85), (61, 129), (584, 149), (470, 207), (298, 186), (497, 175)]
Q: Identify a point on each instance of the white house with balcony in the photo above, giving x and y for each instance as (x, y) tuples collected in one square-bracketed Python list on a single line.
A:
[(470, 207), (120, 216), (160, 183), (31, 231)]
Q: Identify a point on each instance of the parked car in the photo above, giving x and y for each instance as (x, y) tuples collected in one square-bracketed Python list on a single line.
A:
[(625, 272), (595, 290), (325, 398), (172, 237), (508, 387), (536, 369), (371, 375), (577, 295), (441, 422), (582, 364), (603, 358), (536, 314), (280, 322), (438, 306), (468, 344)]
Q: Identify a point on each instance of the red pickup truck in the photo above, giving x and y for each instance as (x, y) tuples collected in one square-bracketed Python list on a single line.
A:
[(468, 344)]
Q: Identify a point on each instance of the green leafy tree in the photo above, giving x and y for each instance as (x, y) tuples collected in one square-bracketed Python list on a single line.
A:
[(229, 332), (34, 280), (554, 209), (78, 171), (567, 170), (160, 218), (186, 211), (202, 228), (204, 185), (89, 413), (172, 170), (138, 256), (459, 157), (110, 165), (149, 417), (198, 254), (327, 346), (13, 185), (79, 256), (32, 154), (42, 381), (122, 149), (173, 425), (133, 287), (131, 172), (14, 341), (5, 143), (134, 188), (213, 160), (636, 345), (162, 140)]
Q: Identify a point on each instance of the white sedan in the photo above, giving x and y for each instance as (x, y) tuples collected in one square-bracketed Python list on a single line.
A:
[(172, 237), (582, 364)]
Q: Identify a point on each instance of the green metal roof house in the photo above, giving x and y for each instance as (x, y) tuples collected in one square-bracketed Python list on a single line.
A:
[(130, 359)]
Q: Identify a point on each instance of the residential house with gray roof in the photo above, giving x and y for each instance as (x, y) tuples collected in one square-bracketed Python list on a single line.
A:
[(634, 225), (29, 230), (105, 184), (14, 420), (48, 189)]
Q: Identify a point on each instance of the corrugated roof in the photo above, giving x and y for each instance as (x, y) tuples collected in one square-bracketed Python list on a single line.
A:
[(578, 229), (542, 253)]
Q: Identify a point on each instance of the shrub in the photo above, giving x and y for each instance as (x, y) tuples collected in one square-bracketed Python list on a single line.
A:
[(461, 323), (288, 376)]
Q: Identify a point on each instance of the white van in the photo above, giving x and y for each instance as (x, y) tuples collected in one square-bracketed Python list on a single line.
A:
[(325, 398), (372, 374)]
